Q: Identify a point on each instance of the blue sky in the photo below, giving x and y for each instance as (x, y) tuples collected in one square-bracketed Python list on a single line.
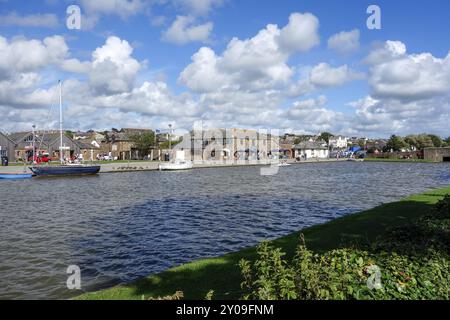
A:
[(298, 88)]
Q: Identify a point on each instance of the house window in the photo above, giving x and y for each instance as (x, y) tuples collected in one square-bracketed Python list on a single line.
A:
[(29, 138)]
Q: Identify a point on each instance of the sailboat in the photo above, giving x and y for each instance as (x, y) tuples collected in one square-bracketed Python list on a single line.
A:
[(64, 169)]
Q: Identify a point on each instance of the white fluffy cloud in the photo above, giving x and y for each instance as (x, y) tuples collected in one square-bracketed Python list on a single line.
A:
[(104, 96), (252, 83), (396, 74), (409, 93), (345, 41), (300, 34), (184, 30), (323, 75), (258, 63), (113, 67), (23, 55), (383, 117)]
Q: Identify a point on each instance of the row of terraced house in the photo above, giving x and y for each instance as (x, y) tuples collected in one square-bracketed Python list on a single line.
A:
[(90, 145)]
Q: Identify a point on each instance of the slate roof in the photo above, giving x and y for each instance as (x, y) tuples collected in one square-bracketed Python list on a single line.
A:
[(309, 145)]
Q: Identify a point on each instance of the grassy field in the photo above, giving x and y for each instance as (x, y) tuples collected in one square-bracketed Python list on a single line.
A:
[(222, 274)]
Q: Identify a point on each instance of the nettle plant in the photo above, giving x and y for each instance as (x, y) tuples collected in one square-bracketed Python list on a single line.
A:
[(411, 262)]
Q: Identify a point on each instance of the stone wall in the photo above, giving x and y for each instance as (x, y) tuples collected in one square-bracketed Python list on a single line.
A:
[(437, 154)]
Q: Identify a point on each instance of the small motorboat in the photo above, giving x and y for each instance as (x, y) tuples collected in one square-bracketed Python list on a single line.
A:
[(16, 176), (284, 164), (176, 165), (355, 160)]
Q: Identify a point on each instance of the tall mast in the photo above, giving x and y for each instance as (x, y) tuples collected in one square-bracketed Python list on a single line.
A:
[(61, 158)]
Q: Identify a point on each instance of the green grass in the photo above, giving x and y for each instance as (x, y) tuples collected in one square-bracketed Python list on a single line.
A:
[(222, 274)]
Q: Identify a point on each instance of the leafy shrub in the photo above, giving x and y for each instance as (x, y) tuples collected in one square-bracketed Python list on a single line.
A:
[(413, 263), (343, 274), (179, 295), (442, 208)]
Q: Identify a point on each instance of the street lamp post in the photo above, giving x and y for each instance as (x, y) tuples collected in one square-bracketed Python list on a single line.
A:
[(170, 135), (34, 143)]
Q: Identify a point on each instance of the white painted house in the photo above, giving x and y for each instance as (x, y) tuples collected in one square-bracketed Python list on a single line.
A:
[(338, 142), (311, 150)]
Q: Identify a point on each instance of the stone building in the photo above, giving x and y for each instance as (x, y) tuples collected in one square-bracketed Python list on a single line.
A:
[(228, 145), (121, 146), (7, 147), (49, 143), (437, 154)]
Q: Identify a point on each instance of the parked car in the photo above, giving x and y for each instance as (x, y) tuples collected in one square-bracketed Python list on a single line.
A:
[(106, 158), (40, 158)]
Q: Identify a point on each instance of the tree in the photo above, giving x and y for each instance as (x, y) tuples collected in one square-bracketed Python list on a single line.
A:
[(69, 134), (362, 143), (447, 142), (437, 141), (425, 141), (143, 142), (395, 143), (412, 141), (325, 136)]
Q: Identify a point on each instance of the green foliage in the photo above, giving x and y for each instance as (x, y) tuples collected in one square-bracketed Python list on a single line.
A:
[(179, 295), (413, 260), (325, 136), (271, 278), (143, 142), (442, 208), (424, 140), (447, 142), (437, 141), (209, 295), (69, 134), (396, 143), (165, 144)]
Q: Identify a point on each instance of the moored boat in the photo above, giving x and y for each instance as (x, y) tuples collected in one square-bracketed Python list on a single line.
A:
[(355, 160), (176, 165), (15, 176), (65, 170), (284, 164)]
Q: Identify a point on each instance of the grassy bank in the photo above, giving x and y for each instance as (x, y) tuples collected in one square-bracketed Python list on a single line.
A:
[(223, 274)]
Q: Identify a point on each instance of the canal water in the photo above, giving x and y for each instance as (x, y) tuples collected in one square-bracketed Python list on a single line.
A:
[(119, 227)]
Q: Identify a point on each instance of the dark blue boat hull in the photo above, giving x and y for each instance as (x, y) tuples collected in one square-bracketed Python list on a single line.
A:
[(65, 170)]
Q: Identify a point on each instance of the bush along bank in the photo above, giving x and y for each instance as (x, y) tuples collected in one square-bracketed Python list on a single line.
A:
[(408, 262)]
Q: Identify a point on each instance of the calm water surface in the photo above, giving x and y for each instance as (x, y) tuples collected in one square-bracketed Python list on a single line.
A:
[(119, 227)]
